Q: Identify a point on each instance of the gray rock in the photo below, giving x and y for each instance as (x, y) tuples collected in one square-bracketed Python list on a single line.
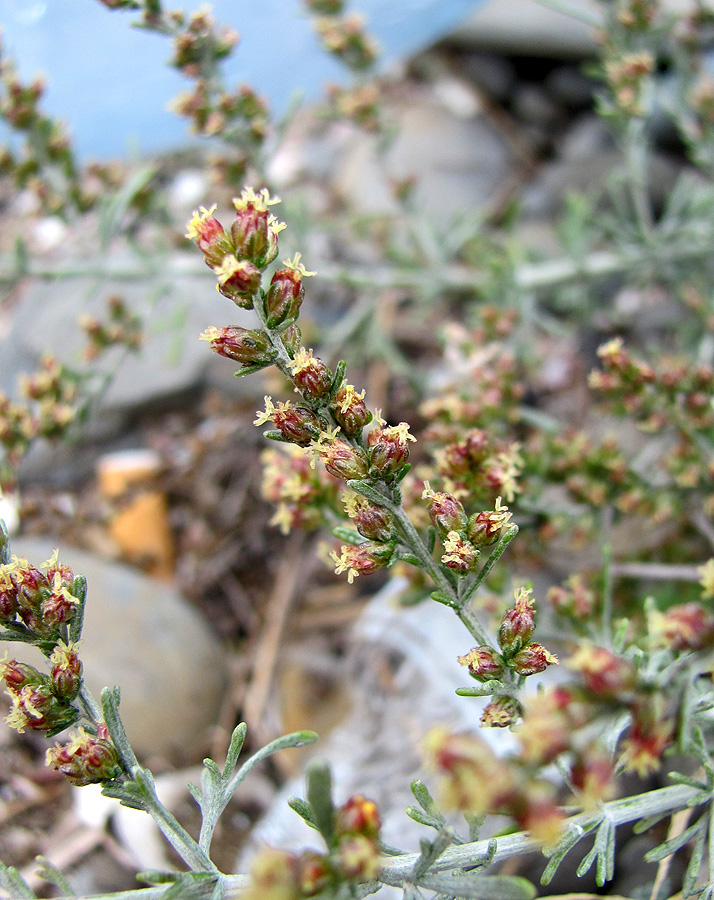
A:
[(494, 75), (531, 104), (141, 635), (570, 86), (175, 311), (459, 163)]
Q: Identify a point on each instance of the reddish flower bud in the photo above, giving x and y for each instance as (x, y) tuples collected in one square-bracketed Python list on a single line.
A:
[(239, 280), (37, 708), (372, 521), (532, 659), (340, 459), (518, 623), (445, 511), (604, 674), (349, 409), (297, 424), (255, 231), (483, 663), (240, 344), (286, 293), (459, 554), (59, 606), (389, 450), (310, 374), (362, 558), (315, 872), (86, 759), (66, 674), (16, 675), (592, 774), (358, 815), (486, 527), (358, 858), (500, 713), (686, 626), (209, 236)]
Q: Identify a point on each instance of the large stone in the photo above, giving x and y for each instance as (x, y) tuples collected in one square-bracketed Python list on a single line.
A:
[(140, 634)]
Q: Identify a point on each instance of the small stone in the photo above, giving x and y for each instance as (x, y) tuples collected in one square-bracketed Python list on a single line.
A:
[(494, 75), (570, 86), (531, 104), (141, 634)]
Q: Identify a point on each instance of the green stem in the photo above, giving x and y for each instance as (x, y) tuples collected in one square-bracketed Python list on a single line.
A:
[(397, 870), (636, 161), (496, 554)]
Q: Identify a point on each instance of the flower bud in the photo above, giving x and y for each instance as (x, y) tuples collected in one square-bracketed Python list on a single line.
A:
[(372, 521), (275, 875), (66, 674), (389, 450), (358, 816), (59, 606), (685, 626), (17, 674), (255, 231), (362, 558), (500, 713), (486, 527), (445, 511), (209, 236), (297, 424), (592, 775), (518, 623), (340, 459), (358, 858), (483, 663), (86, 759), (239, 280), (459, 554), (37, 708), (604, 674), (240, 344), (349, 409), (532, 659), (310, 374), (286, 292), (315, 872)]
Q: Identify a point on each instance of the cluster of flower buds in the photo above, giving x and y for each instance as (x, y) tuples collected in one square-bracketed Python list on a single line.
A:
[(593, 473), (627, 76), (44, 702), (123, 328), (360, 104), (305, 496), (345, 37), (86, 758), (49, 407), (463, 536), (477, 782), (519, 655), (40, 601), (476, 467), (637, 15), (47, 165), (199, 42), (225, 114), (572, 599), (675, 392), (353, 858)]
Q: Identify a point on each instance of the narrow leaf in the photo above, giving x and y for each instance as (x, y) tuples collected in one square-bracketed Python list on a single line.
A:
[(667, 848), (15, 884), (431, 851), (481, 887), (4, 544), (349, 535), (235, 747), (304, 810), (48, 871), (319, 796), (366, 490)]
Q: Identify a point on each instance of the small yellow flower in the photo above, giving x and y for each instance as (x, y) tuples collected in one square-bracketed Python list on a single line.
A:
[(297, 266), (706, 579), (195, 223)]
